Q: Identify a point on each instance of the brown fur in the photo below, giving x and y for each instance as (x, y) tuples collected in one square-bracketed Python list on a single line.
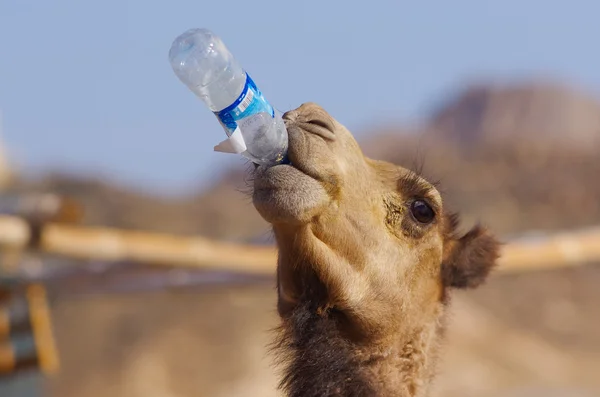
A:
[(362, 282)]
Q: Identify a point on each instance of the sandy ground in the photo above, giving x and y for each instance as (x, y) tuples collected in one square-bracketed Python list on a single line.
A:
[(525, 335)]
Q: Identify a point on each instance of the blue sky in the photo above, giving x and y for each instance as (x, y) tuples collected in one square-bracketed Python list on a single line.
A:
[(87, 86)]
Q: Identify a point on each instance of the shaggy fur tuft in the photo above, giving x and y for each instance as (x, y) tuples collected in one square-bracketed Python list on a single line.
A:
[(473, 257), (316, 359)]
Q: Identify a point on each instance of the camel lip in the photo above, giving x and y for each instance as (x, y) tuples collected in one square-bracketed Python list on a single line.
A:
[(271, 178), (264, 182)]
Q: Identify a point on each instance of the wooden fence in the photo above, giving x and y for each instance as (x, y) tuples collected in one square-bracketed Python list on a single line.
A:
[(98, 243)]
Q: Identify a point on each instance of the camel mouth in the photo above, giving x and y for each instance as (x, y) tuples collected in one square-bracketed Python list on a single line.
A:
[(301, 175), (277, 176), (293, 191), (293, 159)]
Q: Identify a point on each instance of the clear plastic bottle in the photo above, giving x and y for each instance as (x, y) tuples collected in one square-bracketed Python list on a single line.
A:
[(203, 63)]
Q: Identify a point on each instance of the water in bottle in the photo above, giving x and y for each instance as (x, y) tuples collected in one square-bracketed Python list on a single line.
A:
[(203, 63)]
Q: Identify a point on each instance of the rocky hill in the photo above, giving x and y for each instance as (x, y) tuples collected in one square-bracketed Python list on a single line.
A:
[(536, 113)]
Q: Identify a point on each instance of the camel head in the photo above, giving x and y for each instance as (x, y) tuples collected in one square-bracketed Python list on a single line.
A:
[(365, 240)]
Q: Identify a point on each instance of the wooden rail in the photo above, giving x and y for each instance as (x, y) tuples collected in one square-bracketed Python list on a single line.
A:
[(108, 244), (554, 250), (87, 243)]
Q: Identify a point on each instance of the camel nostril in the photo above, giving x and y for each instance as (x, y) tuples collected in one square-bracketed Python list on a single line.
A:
[(321, 123), (322, 127)]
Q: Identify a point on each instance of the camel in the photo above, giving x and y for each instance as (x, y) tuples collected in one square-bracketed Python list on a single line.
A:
[(367, 257)]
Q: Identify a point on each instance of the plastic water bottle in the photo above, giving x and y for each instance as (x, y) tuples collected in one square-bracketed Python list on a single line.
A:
[(203, 63)]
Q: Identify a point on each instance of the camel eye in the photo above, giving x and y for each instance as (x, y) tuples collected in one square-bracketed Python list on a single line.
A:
[(421, 211)]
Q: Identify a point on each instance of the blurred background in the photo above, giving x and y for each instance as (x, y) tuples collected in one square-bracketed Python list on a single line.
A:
[(498, 101)]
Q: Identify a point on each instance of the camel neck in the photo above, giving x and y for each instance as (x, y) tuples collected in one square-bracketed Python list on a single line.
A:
[(319, 360), (405, 368)]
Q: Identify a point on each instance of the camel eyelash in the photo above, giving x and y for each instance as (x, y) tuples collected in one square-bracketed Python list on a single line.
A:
[(414, 186)]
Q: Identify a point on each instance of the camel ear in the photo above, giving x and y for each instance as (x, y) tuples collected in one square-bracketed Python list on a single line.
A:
[(468, 260)]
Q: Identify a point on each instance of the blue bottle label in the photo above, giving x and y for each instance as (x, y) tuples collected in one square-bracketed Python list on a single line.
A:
[(250, 101)]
